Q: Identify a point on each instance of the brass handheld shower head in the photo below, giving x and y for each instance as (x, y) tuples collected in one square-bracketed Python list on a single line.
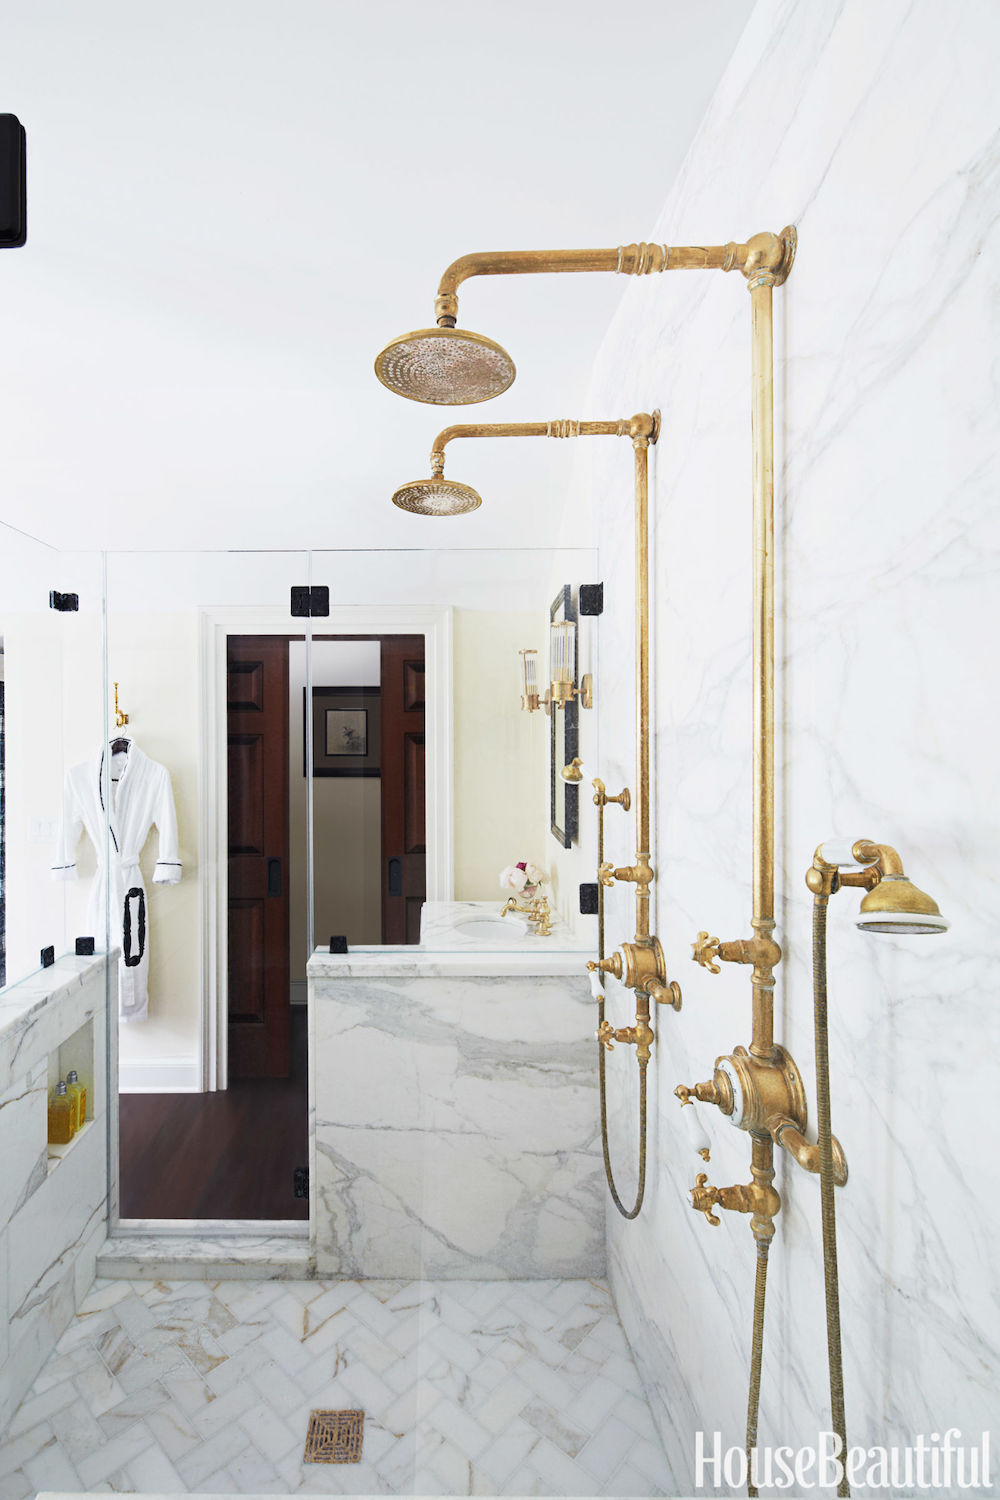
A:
[(892, 903), (896, 905)]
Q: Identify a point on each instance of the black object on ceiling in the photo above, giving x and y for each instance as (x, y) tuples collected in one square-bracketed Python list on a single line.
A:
[(13, 188)]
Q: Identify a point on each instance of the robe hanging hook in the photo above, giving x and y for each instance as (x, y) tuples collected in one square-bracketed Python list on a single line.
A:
[(120, 719)]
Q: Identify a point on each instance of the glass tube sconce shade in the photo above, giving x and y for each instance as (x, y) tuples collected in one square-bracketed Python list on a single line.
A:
[(530, 698), (562, 661)]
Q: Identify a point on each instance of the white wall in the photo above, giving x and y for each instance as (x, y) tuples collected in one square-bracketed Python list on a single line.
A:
[(872, 128)]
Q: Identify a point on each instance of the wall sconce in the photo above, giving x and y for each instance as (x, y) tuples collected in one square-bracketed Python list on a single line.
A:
[(562, 661), (530, 699), (562, 667)]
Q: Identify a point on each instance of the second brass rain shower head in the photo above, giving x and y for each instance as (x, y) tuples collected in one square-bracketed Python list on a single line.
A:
[(437, 497), (450, 366)]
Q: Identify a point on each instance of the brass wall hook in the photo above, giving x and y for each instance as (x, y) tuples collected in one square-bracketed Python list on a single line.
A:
[(603, 797), (121, 719)]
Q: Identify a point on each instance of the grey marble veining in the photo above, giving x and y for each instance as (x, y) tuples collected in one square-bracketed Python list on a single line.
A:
[(457, 1130)]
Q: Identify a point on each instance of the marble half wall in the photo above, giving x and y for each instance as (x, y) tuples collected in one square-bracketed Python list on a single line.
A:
[(457, 1130), (873, 129), (53, 1208)]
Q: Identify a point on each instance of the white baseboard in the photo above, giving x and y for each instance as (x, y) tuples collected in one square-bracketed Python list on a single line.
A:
[(161, 1075)]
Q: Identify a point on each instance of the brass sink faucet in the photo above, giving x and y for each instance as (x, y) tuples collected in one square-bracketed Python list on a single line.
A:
[(538, 913)]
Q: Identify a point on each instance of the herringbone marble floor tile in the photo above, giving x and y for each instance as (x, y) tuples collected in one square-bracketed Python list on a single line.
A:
[(469, 1388)]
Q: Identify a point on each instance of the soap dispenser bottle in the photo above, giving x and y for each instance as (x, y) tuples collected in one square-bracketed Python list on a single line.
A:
[(60, 1116), (78, 1095)]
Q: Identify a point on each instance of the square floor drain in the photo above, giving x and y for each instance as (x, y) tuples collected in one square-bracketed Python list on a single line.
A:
[(334, 1437)]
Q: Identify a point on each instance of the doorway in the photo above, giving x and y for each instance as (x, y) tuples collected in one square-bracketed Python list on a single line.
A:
[(244, 1147)]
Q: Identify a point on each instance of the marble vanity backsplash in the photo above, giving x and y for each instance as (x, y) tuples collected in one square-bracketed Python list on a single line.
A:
[(457, 1130)]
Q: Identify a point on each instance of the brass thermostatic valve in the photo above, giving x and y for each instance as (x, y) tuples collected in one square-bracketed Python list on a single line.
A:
[(766, 1098), (643, 969)]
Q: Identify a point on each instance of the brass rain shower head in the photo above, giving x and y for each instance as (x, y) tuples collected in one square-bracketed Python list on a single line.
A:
[(445, 367), (437, 497), (449, 366)]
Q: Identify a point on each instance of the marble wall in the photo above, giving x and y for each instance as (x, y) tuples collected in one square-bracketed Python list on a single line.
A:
[(53, 1212), (457, 1130), (873, 130)]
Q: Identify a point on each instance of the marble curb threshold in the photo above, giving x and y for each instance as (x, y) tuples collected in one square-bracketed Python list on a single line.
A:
[(235, 1257)]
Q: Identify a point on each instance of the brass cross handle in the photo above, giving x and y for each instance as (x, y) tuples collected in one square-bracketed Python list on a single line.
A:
[(706, 951), (606, 873), (704, 1198), (605, 1034)]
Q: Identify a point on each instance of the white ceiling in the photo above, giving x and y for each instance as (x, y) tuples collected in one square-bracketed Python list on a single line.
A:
[(233, 204)]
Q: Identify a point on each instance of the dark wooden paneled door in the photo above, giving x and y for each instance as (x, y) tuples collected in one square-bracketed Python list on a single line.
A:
[(257, 727), (404, 845)]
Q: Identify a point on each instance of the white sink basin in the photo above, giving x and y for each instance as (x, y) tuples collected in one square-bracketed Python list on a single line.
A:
[(488, 929)]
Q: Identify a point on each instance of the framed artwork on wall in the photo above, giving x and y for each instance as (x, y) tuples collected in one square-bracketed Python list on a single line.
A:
[(347, 732)]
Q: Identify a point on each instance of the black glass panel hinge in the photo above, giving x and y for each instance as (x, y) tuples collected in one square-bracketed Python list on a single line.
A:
[(592, 598), (310, 603)]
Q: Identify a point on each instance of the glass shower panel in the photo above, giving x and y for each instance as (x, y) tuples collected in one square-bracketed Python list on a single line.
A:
[(51, 716), (202, 647)]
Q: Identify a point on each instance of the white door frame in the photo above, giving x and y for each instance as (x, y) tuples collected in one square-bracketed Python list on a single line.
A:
[(215, 625)]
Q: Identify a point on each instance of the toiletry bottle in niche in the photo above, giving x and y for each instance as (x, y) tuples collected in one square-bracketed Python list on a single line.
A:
[(60, 1116), (78, 1094)]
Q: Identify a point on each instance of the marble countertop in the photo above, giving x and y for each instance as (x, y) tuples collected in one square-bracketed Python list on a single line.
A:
[(448, 950)]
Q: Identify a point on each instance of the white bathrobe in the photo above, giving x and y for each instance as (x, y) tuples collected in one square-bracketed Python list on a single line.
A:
[(140, 795)]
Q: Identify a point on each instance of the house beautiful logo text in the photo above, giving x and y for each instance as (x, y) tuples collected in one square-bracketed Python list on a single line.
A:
[(932, 1463)]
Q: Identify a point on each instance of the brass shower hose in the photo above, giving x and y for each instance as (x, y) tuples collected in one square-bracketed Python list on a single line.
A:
[(756, 1356), (626, 1213), (828, 1209), (829, 1218)]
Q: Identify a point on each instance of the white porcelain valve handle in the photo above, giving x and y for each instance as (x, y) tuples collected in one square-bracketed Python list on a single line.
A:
[(696, 1130)]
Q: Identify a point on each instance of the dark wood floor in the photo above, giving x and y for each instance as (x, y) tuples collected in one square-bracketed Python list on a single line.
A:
[(227, 1155)]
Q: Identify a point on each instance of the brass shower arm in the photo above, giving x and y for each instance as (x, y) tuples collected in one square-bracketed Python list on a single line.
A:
[(642, 425), (763, 253)]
